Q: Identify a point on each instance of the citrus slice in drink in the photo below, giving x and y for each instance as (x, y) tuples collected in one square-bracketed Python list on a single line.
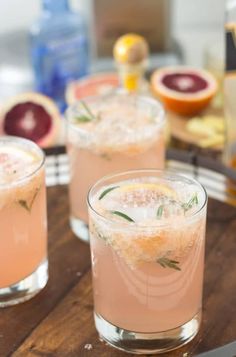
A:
[(148, 189), (152, 222), (15, 162), (184, 90)]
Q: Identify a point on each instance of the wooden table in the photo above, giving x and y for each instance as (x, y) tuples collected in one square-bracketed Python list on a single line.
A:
[(59, 321)]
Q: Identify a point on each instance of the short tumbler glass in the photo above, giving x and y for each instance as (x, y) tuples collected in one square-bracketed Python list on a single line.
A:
[(23, 221), (147, 237), (107, 134)]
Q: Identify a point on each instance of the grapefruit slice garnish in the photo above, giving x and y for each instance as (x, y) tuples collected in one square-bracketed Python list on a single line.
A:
[(138, 194), (135, 194), (12, 154), (157, 188), (147, 240), (32, 116), (97, 84), (16, 163), (184, 90)]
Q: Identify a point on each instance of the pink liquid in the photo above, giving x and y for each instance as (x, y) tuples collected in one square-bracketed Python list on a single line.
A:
[(147, 266), (148, 298), (127, 133), (23, 225), (86, 167)]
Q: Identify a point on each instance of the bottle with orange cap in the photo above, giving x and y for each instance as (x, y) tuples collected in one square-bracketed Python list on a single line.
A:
[(131, 55)]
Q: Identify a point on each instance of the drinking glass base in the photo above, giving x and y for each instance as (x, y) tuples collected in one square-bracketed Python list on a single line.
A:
[(147, 343), (80, 229), (26, 288)]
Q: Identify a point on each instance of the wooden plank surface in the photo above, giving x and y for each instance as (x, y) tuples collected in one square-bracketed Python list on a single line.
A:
[(59, 321)]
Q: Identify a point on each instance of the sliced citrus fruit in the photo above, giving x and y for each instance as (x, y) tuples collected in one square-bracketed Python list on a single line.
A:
[(184, 90), (156, 188), (32, 116), (102, 83), (146, 237), (12, 154)]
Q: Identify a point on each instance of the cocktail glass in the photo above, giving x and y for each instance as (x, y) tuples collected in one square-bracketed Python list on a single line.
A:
[(107, 134), (147, 237), (23, 221)]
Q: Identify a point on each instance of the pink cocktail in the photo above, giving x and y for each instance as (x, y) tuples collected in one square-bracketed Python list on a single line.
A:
[(107, 134), (147, 235), (23, 221)]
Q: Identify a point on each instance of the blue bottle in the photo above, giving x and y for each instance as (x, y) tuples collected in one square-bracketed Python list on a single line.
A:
[(59, 49)]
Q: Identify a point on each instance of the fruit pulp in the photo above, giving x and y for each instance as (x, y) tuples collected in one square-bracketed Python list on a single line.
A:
[(148, 272), (23, 220), (124, 137), (185, 83), (184, 90)]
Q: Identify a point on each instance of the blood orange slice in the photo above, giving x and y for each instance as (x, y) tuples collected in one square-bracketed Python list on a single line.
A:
[(32, 116), (101, 83), (184, 90)]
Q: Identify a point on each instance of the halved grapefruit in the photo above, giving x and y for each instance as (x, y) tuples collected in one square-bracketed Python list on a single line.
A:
[(184, 90), (95, 84), (32, 116)]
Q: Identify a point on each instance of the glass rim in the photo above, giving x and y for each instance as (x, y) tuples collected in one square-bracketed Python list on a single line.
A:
[(165, 174), (17, 139), (154, 102)]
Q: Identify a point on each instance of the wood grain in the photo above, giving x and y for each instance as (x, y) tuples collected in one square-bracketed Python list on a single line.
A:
[(179, 130), (59, 321)]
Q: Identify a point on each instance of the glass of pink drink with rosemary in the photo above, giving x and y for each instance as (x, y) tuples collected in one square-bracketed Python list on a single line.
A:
[(23, 221), (147, 236), (106, 134)]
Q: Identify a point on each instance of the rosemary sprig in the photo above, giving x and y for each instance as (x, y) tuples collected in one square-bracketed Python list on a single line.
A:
[(88, 110), (168, 263), (26, 205), (160, 211), (193, 201), (89, 116), (104, 193), (123, 215), (106, 157), (83, 118)]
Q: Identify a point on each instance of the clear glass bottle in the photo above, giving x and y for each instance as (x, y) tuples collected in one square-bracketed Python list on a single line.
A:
[(59, 49), (230, 84)]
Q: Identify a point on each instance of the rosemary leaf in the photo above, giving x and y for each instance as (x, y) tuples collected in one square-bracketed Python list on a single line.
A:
[(123, 215), (83, 119), (160, 211), (106, 157), (88, 110), (193, 201), (168, 263), (24, 204), (34, 197), (104, 193)]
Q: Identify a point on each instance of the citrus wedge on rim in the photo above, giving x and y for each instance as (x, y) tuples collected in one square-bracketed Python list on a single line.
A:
[(184, 90)]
